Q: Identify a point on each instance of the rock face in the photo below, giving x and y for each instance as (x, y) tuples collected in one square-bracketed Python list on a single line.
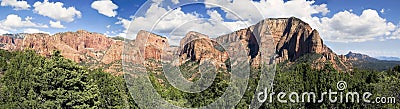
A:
[(199, 47), (295, 38), (243, 37), (147, 46), (92, 49), (291, 37), (8, 43), (153, 43)]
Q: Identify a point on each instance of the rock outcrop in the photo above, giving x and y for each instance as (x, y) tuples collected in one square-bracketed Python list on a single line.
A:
[(92, 49), (292, 39), (199, 47), (147, 46), (288, 38), (295, 38)]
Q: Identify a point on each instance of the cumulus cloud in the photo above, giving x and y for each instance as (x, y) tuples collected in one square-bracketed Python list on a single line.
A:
[(346, 26), (13, 22), (17, 5), (175, 1), (157, 1), (176, 23), (215, 15), (395, 34), (268, 9), (56, 24), (32, 30), (124, 22), (152, 15), (3, 31), (56, 11), (105, 7)]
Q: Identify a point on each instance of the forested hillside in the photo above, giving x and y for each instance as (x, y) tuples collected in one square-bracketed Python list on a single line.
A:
[(32, 81), (29, 80)]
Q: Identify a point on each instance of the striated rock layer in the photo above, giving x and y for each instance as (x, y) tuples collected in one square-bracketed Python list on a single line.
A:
[(199, 47), (291, 37), (92, 49)]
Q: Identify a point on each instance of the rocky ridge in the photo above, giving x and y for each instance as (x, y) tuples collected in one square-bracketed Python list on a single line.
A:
[(92, 49), (363, 61), (359, 57), (291, 37)]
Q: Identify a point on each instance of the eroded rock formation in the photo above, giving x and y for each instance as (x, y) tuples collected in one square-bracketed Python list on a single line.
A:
[(288, 38), (92, 49)]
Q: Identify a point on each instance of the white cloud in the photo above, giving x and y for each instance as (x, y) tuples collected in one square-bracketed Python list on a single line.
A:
[(105, 7), (108, 26), (157, 1), (3, 31), (124, 22), (13, 22), (32, 30), (56, 24), (175, 1), (122, 35), (215, 15), (17, 5), (346, 26), (245, 12), (176, 23), (268, 9), (395, 34), (152, 15), (342, 27), (56, 11)]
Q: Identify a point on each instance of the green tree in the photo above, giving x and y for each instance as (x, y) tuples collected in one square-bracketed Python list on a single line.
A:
[(113, 90), (32, 81)]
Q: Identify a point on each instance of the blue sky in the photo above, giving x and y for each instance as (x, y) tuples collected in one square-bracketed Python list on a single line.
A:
[(365, 26)]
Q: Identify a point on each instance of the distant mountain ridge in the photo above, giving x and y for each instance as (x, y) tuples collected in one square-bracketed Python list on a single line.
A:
[(386, 58), (360, 57), (362, 61)]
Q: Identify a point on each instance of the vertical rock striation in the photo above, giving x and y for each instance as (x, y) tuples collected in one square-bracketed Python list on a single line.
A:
[(288, 38)]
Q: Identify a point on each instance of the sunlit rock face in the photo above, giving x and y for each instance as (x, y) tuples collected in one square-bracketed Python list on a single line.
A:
[(288, 38)]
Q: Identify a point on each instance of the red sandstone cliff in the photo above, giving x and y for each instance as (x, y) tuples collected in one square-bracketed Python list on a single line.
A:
[(92, 49), (291, 37)]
